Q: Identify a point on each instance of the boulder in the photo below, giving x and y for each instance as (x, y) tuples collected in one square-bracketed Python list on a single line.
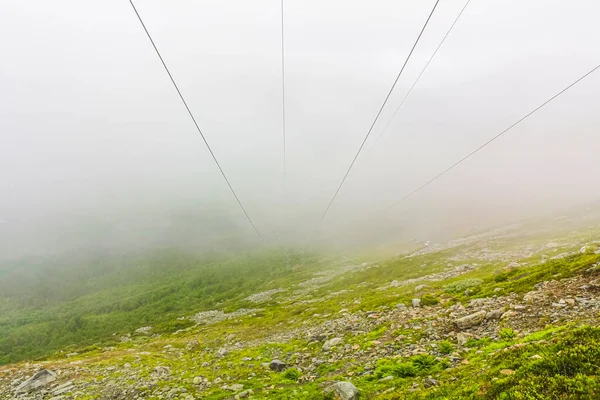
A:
[(495, 314), (470, 320), (345, 391), (328, 345), (37, 381), (277, 366)]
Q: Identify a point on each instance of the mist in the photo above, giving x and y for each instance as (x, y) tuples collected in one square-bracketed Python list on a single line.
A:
[(97, 151)]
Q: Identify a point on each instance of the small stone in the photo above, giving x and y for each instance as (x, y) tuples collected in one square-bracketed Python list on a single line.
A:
[(429, 382), (277, 366), (416, 303), (199, 380), (509, 314), (222, 352), (236, 387)]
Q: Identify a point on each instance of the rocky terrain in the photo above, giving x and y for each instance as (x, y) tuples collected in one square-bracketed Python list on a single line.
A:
[(465, 319)]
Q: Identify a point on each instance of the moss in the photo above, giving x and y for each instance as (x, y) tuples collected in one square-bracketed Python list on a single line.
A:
[(429, 300), (507, 333), (445, 347)]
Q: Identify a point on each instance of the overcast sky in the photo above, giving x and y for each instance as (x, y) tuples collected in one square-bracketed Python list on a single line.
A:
[(91, 127)]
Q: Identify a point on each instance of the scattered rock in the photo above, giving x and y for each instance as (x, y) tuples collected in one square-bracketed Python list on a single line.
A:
[(161, 371), (145, 330)]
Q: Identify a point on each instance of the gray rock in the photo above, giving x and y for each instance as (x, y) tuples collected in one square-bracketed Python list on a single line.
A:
[(346, 391), (470, 320), (64, 388), (37, 381), (495, 314), (277, 366), (416, 303), (244, 394), (144, 330), (236, 387), (328, 345), (222, 352)]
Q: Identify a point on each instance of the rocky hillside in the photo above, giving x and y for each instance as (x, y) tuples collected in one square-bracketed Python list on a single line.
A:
[(509, 314)]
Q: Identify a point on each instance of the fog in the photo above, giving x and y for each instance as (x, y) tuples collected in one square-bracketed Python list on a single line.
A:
[(96, 149)]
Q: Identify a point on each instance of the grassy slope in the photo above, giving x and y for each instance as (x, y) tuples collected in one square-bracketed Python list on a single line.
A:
[(569, 353)]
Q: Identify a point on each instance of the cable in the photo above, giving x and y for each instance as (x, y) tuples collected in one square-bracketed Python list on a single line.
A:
[(420, 74), (494, 138), (283, 111), (379, 113), (194, 120)]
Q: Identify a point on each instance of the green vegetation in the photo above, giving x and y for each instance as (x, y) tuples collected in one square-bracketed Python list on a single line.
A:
[(429, 300), (388, 352), (507, 333), (291, 374), (445, 347), (48, 313), (462, 285), (565, 368)]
